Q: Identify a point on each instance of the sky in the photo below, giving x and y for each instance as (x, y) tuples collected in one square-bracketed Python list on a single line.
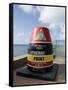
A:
[(27, 17)]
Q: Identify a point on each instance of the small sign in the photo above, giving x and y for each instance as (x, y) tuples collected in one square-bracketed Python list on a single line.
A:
[(43, 58), (40, 35), (37, 52)]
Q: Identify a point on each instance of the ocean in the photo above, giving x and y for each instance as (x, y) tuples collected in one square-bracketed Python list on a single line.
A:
[(21, 50)]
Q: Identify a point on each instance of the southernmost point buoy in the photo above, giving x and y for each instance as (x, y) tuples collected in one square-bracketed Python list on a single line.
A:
[(40, 56), (40, 52)]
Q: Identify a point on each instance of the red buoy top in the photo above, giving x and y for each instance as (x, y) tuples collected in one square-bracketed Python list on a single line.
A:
[(40, 34)]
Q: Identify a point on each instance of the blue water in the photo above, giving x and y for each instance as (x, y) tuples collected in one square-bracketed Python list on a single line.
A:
[(19, 50), (59, 49)]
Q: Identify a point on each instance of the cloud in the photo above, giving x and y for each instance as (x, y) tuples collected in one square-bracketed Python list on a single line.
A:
[(22, 38), (55, 18), (19, 34), (57, 32), (62, 32), (51, 14), (26, 8), (46, 14), (27, 37), (18, 37)]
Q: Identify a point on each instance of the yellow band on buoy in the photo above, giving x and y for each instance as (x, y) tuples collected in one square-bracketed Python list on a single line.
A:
[(43, 58)]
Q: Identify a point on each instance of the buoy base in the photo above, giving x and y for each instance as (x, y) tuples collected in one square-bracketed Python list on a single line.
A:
[(40, 70), (46, 75)]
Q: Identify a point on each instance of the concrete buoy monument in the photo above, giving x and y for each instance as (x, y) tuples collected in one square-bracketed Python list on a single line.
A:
[(40, 52), (40, 56)]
